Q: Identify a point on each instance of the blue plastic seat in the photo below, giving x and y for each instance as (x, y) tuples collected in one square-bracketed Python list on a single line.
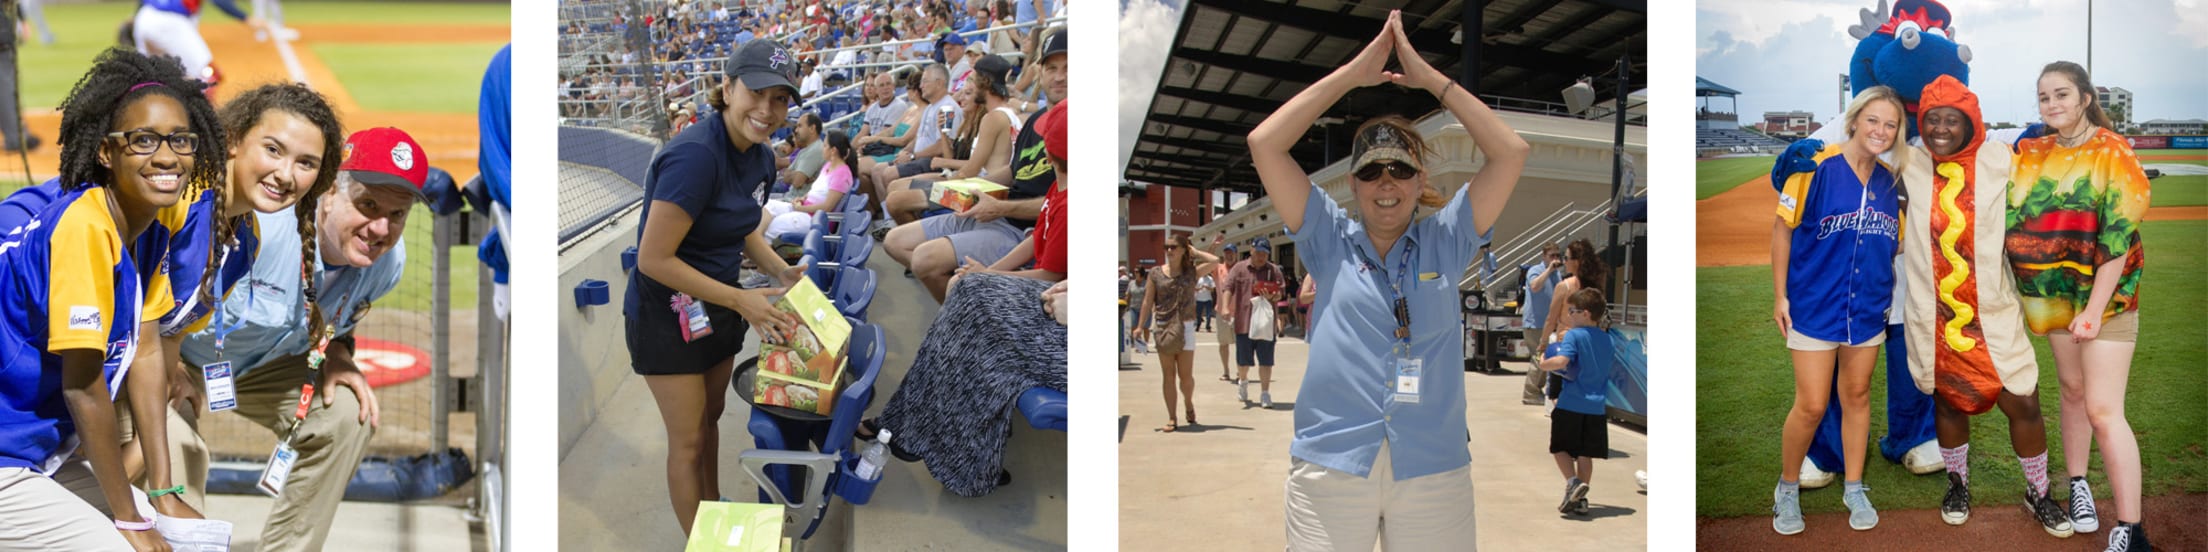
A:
[(781, 444), (1045, 408), (857, 248), (854, 291), (823, 275)]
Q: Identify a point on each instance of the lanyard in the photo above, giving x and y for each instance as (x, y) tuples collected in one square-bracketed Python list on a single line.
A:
[(222, 331), (1401, 302)]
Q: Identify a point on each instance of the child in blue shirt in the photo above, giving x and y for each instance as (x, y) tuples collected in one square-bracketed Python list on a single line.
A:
[(1578, 432)]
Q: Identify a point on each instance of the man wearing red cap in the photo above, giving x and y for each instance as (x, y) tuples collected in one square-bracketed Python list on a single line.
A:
[(267, 346)]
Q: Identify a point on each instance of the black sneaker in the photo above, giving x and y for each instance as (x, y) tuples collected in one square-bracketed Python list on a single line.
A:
[(1955, 507), (2050, 515), (2083, 517), (2128, 537)]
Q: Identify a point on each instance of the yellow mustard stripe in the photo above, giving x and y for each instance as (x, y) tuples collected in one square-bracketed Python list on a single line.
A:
[(1964, 312)]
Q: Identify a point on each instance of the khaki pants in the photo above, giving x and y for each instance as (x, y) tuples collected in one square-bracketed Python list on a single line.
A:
[(1333, 510), (63, 512), (1536, 378), (330, 444)]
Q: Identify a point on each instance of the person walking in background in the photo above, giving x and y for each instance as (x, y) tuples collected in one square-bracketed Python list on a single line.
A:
[(1541, 279), (1171, 321), (1252, 287)]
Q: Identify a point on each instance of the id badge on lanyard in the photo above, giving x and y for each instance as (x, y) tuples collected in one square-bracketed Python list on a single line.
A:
[(280, 461), (222, 390), (690, 312), (1407, 367)]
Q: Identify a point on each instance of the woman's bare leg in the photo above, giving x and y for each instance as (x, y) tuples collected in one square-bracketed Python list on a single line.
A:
[(2077, 426), (1812, 385), (681, 400), (1855, 406), (2107, 369)]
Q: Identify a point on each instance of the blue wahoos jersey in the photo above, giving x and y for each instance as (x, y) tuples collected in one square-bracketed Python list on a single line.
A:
[(1840, 268), (67, 282), (171, 255)]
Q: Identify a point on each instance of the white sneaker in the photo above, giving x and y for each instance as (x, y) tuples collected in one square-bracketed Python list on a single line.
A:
[(1924, 459), (1640, 477), (1265, 399), (1242, 390), (1813, 478)]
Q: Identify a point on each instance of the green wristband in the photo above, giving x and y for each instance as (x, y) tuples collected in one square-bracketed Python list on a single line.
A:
[(156, 493)]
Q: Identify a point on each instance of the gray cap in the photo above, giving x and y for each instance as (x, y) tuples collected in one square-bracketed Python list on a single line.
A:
[(763, 63)]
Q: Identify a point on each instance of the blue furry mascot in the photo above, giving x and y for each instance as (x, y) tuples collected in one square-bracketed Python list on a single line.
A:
[(1904, 49)]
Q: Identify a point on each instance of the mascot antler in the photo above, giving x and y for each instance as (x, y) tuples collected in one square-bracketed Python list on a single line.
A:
[(1871, 21)]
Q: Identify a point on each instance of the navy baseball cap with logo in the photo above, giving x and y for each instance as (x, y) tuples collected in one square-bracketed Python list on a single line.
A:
[(1054, 45), (763, 63), (386, 156)]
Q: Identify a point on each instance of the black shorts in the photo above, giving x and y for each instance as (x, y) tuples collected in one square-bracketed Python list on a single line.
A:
[(915, 167), (655, 340), (1579, 435), (1252, 352)]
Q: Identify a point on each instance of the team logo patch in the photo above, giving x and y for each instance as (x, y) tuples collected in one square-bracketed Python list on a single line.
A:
[(1786, 202), (84, 318), (402, 155), (780, 57)]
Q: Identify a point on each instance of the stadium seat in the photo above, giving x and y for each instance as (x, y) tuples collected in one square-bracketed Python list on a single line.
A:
[(822, 274), (1044, 408), (856, 249), (781, 444), (854, 291)]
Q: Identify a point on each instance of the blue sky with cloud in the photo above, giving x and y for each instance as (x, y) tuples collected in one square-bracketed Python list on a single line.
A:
[(1787, 54), (1146, 36)]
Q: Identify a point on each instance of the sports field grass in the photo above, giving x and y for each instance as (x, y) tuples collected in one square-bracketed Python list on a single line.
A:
[(1739, 352), (2172, 191), (377, 13), (415, 286), (436, 78), (83, 30), (2203, 152), (1715, 176)]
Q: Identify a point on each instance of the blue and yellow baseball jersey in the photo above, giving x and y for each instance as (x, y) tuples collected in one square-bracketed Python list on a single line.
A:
[(1840, 271), (66, 282), (171, 255), (181, 239)]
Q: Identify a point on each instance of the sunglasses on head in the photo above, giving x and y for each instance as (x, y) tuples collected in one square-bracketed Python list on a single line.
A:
[(1397, 169)]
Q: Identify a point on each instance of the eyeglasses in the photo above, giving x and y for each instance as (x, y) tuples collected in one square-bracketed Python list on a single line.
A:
[(1397, 169), (145, 142)]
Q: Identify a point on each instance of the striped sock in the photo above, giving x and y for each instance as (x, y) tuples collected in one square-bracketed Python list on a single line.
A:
[(2035, 471), (1958, 462)]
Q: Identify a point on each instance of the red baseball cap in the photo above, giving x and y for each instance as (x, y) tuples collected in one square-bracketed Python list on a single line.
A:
[(1053, 128), (386, 156)]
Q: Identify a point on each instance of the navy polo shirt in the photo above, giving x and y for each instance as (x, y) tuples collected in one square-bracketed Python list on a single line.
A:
[(721, 187)]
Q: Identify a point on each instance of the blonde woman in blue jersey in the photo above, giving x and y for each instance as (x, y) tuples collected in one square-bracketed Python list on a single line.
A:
[(135, 133), (1832, 269)]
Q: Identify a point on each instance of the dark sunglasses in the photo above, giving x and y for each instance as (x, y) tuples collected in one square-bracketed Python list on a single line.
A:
[(145, 142), (1172, 248), (1397, 169)]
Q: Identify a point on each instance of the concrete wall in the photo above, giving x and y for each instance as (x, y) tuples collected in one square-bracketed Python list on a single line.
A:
[(594, 356)]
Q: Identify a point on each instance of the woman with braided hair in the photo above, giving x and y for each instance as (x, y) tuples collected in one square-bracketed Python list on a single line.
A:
[(135, 133)]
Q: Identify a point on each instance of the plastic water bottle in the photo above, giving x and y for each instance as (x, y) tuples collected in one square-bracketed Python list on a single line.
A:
[(871, 461)]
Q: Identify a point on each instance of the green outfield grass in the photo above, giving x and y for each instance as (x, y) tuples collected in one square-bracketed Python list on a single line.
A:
[(1715, 176), (2171, 152), (1740, 353), (436, 78), (409, 13), (83, 30), (2174, 191), (415, 285)]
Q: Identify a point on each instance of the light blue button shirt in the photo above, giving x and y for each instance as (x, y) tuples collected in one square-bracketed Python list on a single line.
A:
[(271, 312), (1347, 407)]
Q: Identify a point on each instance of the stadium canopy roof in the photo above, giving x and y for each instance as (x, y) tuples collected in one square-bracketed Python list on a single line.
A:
[(1235, 61), (1706, 87)]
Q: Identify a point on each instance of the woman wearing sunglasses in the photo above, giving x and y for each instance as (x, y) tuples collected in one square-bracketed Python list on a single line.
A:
[(1382, 412)]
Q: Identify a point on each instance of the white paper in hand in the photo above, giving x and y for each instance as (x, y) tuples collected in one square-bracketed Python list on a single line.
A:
[(186, 535)]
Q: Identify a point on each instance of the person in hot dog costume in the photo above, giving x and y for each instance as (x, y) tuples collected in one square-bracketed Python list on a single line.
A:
[(1968, 344)]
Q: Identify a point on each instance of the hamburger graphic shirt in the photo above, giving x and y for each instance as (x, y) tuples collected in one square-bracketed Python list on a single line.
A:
[(2072, 210)]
